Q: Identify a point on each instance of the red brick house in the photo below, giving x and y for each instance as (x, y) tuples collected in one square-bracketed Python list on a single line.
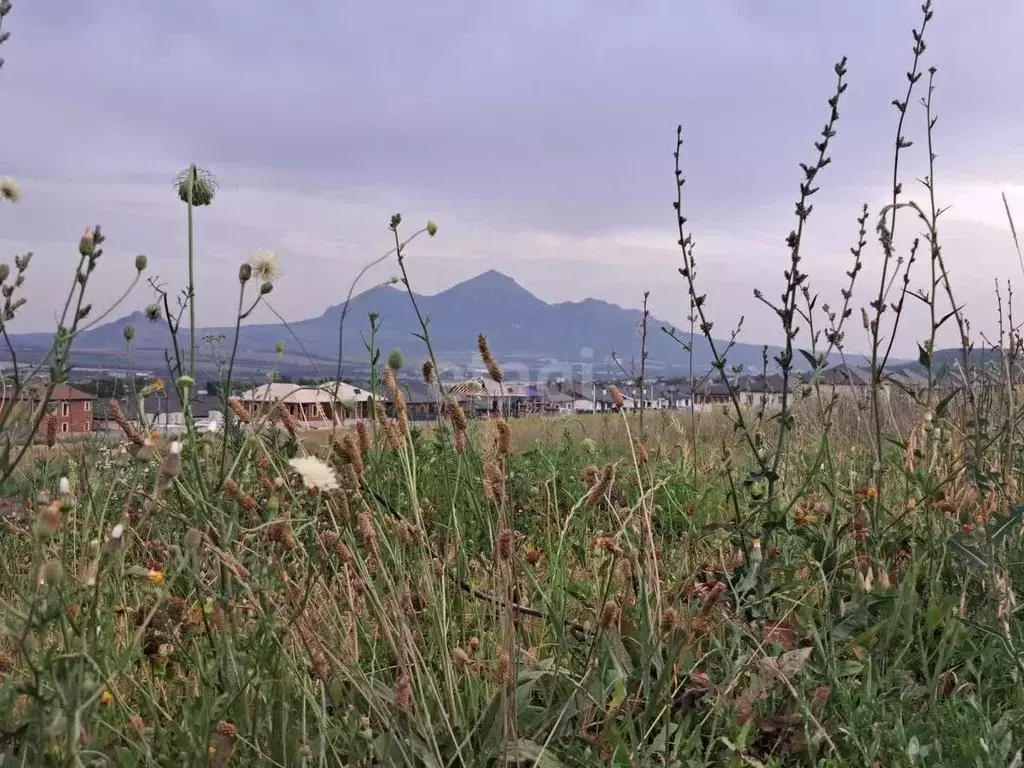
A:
[(72, 406)]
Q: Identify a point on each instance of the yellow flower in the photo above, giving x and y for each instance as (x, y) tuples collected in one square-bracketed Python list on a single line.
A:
[(158, 385), (155, 576), (106, 698)]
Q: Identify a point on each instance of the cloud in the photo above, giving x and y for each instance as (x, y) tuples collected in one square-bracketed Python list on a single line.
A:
[(538, 134)]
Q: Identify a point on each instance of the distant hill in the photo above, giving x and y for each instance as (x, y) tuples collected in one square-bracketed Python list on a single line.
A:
[(519, 326)]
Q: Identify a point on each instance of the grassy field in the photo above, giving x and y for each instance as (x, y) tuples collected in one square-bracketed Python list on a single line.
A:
[(834, 582)]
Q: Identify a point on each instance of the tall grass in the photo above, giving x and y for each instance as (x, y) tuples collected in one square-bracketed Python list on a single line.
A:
[(831, 583)]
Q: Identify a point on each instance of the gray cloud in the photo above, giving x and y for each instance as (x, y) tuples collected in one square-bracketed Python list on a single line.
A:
[(538, 133)]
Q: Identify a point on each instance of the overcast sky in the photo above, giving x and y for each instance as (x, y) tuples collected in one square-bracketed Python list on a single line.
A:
[(538, 135)]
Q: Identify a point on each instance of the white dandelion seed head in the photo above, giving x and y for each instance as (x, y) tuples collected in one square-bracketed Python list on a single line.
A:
[(118, 531), (9, 189), (315, 473), (64, 487), (175, 447), (264, 266)]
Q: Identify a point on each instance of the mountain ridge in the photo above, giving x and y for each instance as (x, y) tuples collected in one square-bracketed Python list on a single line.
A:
[(519, 326)]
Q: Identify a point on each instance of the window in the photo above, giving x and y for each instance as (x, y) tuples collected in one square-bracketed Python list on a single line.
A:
[(65, 408), (64, 427), (88, 405)]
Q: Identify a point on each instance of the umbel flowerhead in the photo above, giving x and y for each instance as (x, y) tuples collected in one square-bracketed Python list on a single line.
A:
[(201, 184)]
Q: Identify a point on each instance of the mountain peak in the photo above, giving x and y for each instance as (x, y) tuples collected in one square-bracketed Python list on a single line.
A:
[(492, 279)]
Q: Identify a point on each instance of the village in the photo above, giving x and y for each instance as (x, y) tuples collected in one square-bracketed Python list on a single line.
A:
[(77, 412)]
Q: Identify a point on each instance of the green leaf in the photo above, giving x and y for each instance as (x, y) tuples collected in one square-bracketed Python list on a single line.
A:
[(924, 357), (815, 362), (940, 409), (975, 560)]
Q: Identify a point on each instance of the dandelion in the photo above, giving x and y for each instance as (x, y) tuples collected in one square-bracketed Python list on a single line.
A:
[(264, 266), (156, 576), (9, 189), (64, 487), (315, 474), (106, 698)]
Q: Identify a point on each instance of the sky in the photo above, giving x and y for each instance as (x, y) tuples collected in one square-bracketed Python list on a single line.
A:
[(538, 135)]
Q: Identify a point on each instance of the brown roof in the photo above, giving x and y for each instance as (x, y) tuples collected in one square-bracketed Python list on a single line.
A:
[(35, 391)]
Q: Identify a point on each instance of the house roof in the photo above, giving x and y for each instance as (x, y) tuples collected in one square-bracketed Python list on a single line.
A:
[(277, 392), (35, 390), (847, 375)]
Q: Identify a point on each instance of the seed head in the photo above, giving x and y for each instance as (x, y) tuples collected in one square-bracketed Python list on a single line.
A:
[(363, 434), (616, 395), (504, 436), (493, 369), (598, 491), (238, 409), (315, 474), (140, 262), (428, 371), (153, 312), (431, 228), (265, 266), (9, 189), (129, 332)]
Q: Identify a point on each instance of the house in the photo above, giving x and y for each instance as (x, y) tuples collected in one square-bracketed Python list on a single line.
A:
[(312, 407), (484, 397), (73, 408)]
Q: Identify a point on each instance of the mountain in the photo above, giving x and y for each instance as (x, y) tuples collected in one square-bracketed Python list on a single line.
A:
[(519, 327)]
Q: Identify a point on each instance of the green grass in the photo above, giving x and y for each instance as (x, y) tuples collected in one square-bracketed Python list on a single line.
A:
[(370, 625)]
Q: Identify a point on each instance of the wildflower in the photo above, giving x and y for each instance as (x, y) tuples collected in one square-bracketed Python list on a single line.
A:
[(106, 698), (64, 487), (315, 473), (264, 266), (9, 189), (156, 576)]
